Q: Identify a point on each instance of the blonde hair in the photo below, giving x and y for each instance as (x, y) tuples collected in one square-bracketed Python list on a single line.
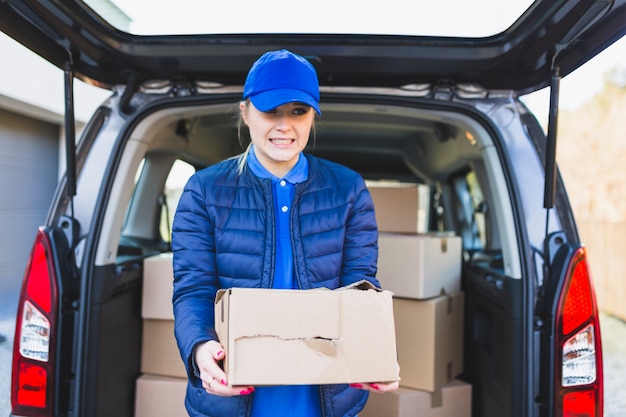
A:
[(241, 126)]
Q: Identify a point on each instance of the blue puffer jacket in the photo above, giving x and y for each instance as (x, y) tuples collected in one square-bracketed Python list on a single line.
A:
[(223, 236)]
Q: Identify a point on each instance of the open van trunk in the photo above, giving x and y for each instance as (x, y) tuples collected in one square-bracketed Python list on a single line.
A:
[(475, 202), (448, 155)]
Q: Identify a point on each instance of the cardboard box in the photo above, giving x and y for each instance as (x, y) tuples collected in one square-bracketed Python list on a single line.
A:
[(291, 337), (429, 336), (159, 396), (159, 351), (419, 266), (158, 286), (453, 400), (397, 208)]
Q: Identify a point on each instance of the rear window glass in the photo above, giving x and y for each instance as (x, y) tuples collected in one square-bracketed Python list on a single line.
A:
[(462, 18)]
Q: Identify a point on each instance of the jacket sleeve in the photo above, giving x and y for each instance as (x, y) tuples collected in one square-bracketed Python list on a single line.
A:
[(360, 251), (195, 281)]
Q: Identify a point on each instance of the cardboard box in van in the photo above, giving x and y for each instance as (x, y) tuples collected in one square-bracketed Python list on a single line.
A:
[(419, 266), (159, 351), (429, 336), (453, 400), (159, 396), (318, 336), (397, 208), (158, 286)]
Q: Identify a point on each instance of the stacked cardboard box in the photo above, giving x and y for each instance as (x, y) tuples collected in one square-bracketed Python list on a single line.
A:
[(423, 271), (452, 400), (160, 396), (159, 354), (413, 263), (161, 387), (398, 208), (429, 336), (419, 266)]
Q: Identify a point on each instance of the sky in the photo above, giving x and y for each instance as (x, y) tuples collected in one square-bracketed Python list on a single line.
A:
[(493, 16), (583, 84)]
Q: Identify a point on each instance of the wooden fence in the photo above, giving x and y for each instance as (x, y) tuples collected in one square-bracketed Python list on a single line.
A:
[(606, 249)]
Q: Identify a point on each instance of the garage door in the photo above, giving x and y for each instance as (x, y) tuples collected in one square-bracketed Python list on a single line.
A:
[(28, 176)]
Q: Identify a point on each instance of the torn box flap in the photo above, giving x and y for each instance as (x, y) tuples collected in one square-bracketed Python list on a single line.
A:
[(220, 293), (361, 285)]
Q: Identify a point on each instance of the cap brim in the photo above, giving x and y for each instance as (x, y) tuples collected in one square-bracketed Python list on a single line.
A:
[(270, 99)]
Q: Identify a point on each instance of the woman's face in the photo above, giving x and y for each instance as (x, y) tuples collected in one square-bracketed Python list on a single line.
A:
[(278, 135)]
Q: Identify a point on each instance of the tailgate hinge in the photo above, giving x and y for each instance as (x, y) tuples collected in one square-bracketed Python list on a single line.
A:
[(131, 88), (183, 88)]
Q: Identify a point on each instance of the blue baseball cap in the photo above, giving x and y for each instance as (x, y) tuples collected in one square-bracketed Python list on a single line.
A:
[(280, 77)]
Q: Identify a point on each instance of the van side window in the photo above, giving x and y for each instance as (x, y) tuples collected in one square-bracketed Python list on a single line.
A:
[(158, 185), (470, 213), (479, 211), (174, 185)]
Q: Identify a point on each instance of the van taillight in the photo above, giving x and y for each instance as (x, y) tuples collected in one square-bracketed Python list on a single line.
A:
[(33, 350), (579, 348)]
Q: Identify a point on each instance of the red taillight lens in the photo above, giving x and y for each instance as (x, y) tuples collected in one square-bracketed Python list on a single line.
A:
[(38, 285), (33, 380), (578, 345), (33, 353), (578, 305), (580, 404)]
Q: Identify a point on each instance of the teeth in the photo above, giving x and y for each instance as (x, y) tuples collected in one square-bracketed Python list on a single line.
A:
[(281, 141)]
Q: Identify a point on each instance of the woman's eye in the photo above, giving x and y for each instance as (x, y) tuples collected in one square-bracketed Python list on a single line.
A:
[(301, 110)]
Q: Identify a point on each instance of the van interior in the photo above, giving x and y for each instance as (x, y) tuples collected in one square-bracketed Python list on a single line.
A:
[(447, 155)]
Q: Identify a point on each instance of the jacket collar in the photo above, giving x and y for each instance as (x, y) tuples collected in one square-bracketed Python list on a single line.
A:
[(298, 173)]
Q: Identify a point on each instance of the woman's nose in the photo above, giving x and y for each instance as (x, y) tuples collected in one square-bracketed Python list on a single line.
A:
[(282, 123)]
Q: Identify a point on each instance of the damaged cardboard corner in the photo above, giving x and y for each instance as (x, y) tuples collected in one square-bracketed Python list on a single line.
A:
[(292, 337)]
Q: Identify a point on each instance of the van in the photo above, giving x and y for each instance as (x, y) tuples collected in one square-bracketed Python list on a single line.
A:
[(436, 117)]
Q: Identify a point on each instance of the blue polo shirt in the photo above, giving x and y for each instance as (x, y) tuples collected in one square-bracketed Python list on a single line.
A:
[(284, 400)]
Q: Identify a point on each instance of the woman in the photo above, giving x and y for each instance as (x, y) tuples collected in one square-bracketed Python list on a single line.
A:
[(272, 217)]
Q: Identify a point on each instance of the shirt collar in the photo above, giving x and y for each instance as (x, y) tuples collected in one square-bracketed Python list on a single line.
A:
[(298, 173)]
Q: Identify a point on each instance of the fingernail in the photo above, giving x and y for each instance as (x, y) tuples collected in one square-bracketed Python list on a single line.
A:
[(356, 385), (223, 381), (375, 386), (247, 391), (220, 353)]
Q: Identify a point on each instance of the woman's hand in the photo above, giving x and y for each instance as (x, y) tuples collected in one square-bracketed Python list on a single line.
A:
[(378, 386), (214, 380)]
